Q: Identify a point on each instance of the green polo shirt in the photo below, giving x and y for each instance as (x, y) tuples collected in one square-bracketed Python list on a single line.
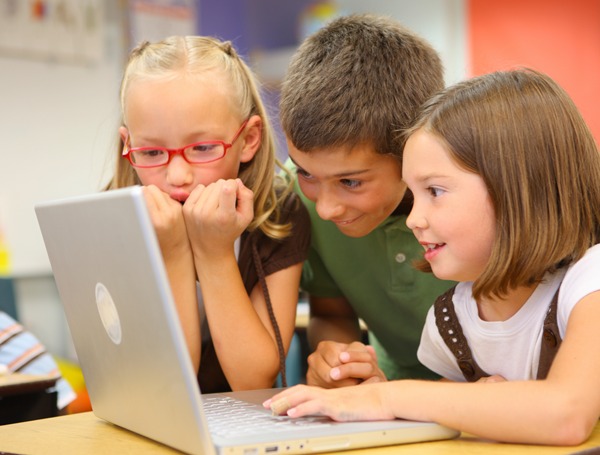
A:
[(375, 274)]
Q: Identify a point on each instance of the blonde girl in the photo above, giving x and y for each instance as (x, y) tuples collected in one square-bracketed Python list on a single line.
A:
[(196, 135)]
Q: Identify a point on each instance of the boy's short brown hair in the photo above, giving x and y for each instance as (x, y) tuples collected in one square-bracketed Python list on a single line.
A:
[(358, 80)]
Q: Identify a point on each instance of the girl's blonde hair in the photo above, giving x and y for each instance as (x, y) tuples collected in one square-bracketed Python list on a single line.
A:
[(525, 137), (198, 55)]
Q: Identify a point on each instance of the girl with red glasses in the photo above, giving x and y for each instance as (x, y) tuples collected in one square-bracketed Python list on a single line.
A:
[(196, 135)]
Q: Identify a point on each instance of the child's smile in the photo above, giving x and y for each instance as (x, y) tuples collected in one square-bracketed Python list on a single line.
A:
[(452, 215), (432, 249), (356, 189)]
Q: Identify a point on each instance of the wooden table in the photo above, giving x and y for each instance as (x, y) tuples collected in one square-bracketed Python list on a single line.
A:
[(86, 434)]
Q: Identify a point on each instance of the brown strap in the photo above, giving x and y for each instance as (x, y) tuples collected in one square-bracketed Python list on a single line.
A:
[(550, 339), (263, 284), (452, 334)]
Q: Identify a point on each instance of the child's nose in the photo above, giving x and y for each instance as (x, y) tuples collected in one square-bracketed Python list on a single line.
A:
[(328, 206), (415, 219), (179, 171)]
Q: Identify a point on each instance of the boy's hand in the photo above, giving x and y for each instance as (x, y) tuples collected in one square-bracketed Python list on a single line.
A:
[(339, 365)]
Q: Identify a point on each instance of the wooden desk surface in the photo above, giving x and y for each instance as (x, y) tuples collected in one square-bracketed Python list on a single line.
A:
[(86, 434)]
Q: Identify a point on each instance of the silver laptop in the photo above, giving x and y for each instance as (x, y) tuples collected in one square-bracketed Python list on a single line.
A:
[(112, 282)]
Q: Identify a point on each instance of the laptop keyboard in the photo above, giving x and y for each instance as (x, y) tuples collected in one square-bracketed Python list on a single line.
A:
[(231, 417)]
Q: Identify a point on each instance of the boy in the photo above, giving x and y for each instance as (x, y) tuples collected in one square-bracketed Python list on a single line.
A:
[(351, 89)]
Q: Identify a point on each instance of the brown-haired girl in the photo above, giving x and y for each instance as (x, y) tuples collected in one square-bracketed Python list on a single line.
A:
[(506, 182)]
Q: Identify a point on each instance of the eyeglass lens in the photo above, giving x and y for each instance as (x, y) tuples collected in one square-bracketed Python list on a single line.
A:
[(195, 153)]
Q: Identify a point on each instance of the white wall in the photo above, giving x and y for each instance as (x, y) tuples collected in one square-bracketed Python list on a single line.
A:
[(58, 123)]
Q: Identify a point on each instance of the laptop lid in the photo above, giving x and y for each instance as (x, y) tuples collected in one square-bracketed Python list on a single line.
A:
[(111, 279), (114, 288)]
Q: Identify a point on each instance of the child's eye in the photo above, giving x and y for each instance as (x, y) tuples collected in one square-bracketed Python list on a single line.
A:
[(435, 192), (302, 173), (204, 148), (350, 183), (151, 153)]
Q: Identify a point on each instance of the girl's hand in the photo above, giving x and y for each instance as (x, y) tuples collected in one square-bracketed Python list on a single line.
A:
[(215, 215), (365, 402), (167, 219)]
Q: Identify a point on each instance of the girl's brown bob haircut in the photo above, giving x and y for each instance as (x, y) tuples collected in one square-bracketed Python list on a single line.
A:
[(522, 133)]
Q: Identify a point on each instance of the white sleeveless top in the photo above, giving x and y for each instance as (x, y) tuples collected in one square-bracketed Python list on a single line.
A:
[(510, 348)]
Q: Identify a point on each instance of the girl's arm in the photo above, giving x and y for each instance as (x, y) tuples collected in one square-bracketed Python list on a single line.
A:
[(240, 326), (167, 218), (561, 410)]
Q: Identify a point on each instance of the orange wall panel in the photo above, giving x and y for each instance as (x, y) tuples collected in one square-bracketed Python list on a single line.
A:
[(557, 37)]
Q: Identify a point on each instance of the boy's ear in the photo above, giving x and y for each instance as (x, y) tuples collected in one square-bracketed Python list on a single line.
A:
[(252, 137)]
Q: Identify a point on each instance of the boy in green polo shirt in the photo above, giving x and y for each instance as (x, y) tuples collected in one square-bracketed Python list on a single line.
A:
[(350, 90)]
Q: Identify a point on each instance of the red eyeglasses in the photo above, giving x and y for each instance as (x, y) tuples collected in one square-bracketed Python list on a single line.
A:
[(196, 153)]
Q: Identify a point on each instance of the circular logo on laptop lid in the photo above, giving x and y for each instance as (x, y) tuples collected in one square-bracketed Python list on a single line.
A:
[(108, 313)]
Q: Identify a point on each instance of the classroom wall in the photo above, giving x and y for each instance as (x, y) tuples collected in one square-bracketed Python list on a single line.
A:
[(557, 37), (58, 119), (58, 122)]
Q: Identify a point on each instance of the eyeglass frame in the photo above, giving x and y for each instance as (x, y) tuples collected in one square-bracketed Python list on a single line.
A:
[(127, 150)]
